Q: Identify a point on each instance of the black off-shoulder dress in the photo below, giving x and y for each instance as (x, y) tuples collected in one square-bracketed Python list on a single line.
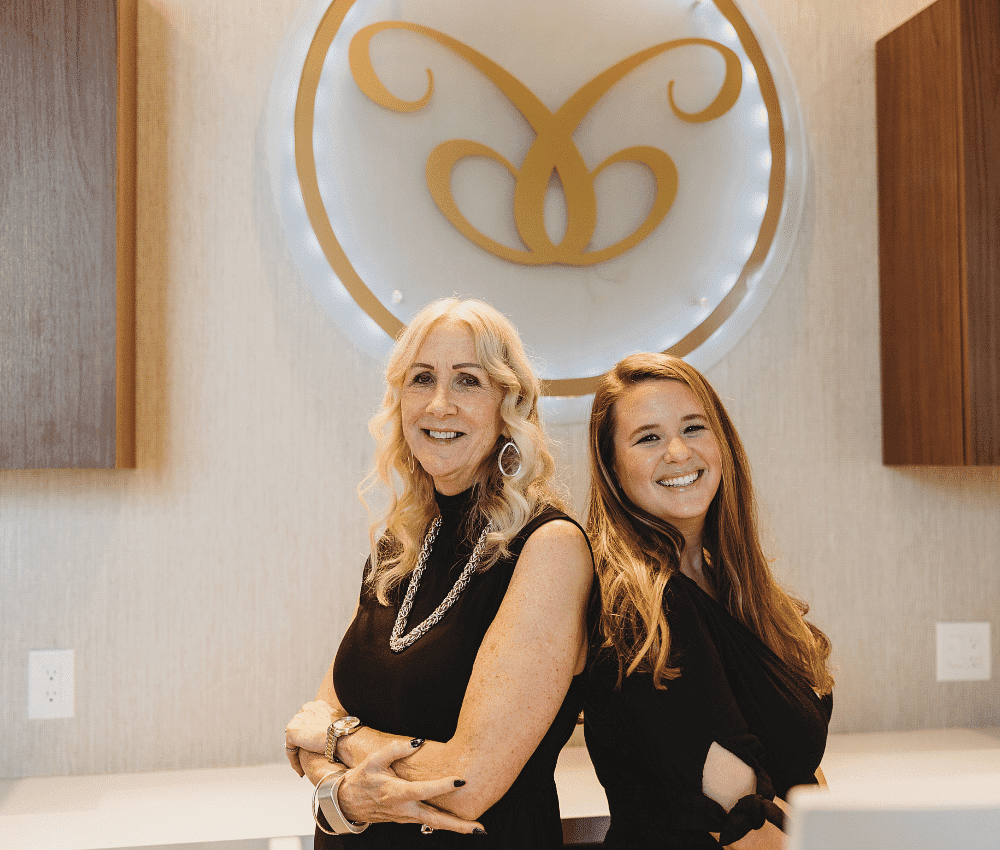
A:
[(418, 692), (649, 746)]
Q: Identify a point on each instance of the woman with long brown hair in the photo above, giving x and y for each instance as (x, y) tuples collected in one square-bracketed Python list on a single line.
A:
[(710, 694)]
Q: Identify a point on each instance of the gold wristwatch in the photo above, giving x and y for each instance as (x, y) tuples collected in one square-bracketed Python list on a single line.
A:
[(340, 728)]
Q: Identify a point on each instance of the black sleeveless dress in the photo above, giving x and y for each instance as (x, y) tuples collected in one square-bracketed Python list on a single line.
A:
[(418, 692), (649, 746)]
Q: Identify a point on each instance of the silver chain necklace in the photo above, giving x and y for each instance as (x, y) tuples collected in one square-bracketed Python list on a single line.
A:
[(397, 641)]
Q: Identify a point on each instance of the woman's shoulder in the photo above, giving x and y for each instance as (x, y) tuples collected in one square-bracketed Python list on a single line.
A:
[(551, 524), (547, 514), (551, 546)]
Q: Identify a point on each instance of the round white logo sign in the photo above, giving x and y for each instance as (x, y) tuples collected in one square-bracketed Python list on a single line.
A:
[(613, 177)]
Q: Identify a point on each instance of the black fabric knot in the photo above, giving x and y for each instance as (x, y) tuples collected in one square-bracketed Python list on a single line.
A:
[(749, 813)]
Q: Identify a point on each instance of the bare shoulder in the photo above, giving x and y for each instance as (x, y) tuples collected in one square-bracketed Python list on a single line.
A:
[(559, 547), (559, 533)]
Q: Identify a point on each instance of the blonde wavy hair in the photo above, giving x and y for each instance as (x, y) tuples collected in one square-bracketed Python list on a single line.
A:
[(507, 502), (636, 553)]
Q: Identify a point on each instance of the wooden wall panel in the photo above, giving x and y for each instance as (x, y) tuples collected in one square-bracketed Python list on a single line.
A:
[(919, 246), (938, 95), (980, 24), (67, 234)]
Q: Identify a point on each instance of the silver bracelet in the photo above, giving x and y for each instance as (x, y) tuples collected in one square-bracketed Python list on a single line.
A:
[(326, 803)]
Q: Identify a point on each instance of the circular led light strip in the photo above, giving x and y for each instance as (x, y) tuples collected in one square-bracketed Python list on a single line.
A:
[(318, 250)]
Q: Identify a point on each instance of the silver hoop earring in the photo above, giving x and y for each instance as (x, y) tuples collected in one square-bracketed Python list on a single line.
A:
[(510, 444)]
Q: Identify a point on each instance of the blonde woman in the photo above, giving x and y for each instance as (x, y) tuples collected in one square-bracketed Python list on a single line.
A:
[(458, 681), (709, 694)]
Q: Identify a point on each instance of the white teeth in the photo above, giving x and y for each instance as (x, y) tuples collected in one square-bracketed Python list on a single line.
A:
[(681, 481), (443, 435)]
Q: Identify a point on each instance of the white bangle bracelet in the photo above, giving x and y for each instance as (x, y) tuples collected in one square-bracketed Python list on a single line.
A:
[(325, 802)]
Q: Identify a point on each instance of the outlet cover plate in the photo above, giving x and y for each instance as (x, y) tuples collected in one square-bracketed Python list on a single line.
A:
[(963, 652), (50, 684)]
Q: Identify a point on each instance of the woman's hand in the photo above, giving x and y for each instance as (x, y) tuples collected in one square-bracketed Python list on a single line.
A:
[(307, 731), (373, 793), (314, 766)]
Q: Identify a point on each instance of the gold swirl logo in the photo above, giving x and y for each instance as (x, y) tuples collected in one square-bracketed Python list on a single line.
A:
[(553, 152), (331, 143)]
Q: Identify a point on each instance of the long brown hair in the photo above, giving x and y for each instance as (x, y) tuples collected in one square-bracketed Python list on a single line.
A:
[(636, 553)]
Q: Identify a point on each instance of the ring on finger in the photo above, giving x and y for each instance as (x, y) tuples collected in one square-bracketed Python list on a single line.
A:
[(291, 749), (425, 829)]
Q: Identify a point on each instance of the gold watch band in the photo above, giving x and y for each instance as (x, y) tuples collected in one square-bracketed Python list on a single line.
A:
[(331, 744), (341, 727)]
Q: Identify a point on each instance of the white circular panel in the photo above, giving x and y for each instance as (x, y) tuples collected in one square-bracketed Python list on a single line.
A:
[(614, 177)]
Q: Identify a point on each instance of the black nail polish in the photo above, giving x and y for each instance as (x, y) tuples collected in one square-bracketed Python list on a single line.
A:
[(459, 783), (417, 742), (479, 831)]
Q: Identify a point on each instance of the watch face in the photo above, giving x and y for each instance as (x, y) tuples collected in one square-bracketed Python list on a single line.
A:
[(346, 725)]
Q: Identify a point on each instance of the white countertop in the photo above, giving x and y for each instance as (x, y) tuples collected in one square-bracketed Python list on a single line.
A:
[(141, 809), (934, 790), (202, 806), (266, 801), (864, 758)]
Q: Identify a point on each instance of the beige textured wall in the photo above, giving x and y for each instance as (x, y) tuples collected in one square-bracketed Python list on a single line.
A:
[(206, 591)]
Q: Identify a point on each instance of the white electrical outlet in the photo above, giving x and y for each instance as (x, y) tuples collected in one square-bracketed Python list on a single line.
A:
[(963, 652), (50, 684)]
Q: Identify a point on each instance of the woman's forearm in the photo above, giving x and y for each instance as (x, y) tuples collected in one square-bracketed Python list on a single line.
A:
[(726, 779), (316, 766), (432, 760), (359, 745), (374, 792)]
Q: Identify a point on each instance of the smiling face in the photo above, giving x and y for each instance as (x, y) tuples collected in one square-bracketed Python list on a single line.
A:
[(450, 408), (667, 459)]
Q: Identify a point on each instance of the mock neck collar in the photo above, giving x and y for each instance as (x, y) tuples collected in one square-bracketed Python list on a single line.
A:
[(457, 506)]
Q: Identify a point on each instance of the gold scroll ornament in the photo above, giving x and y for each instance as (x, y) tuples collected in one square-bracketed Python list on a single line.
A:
[(380, 314), (553, 151)]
